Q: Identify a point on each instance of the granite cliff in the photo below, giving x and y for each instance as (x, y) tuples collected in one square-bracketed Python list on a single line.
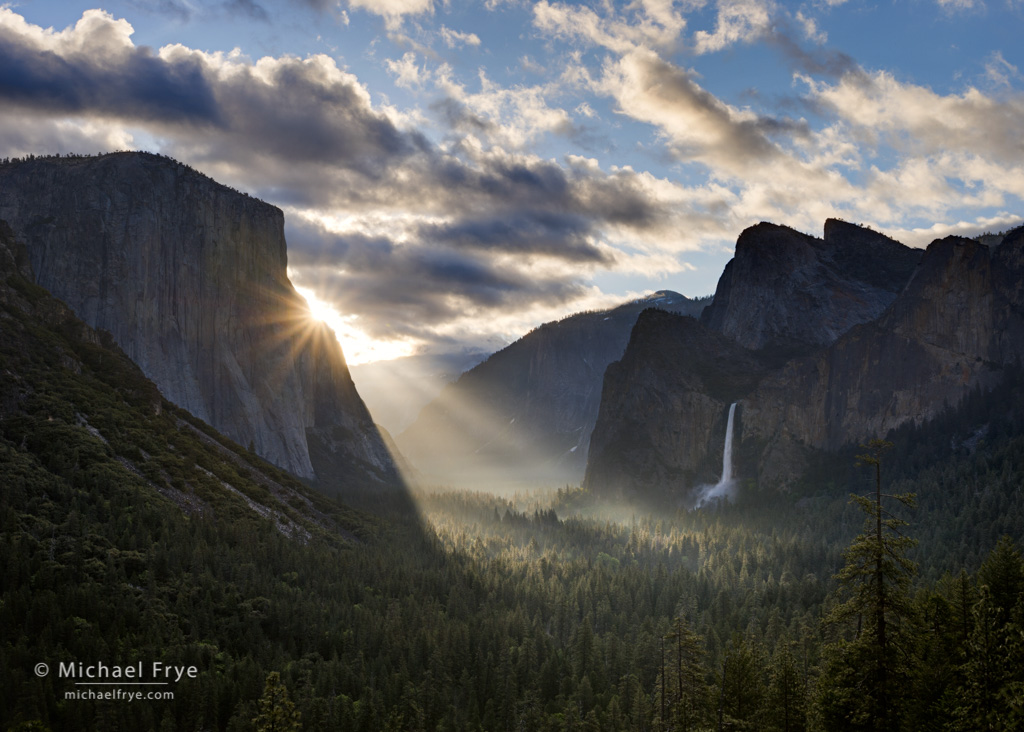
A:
[(901, 353), (190, 278), (791, 292), (525, 415), (79, 421)]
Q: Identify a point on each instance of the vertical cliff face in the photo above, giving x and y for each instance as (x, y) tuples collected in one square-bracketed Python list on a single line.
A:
[(190, 278), (791, 292)]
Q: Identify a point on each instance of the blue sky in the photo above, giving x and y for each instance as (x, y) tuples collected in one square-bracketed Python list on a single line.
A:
[(455, 173)]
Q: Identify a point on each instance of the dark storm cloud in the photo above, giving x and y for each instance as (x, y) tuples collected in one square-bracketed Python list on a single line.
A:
[(135, 85), (303, 132), (291, 109), (309, 112)]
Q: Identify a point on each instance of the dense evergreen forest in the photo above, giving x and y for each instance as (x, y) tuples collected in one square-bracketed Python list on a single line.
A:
[(131, 532), (493, 615)]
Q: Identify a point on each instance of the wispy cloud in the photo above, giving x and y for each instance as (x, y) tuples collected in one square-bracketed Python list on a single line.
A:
[(738, 21)]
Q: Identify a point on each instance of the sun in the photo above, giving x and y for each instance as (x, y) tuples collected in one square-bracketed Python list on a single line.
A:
[(358, 347)]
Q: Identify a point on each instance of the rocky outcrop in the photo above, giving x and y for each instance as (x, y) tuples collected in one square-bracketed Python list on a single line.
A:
[(956, 325), (525, 415), (190, 279), (790, 292)]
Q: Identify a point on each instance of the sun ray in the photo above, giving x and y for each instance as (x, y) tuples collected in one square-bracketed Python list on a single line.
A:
[(358, 347)]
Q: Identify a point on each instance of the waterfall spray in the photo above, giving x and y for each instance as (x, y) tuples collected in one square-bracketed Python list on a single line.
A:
[(723, 487)]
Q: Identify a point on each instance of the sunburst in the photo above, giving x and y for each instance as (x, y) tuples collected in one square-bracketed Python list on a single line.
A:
[(357, 345)]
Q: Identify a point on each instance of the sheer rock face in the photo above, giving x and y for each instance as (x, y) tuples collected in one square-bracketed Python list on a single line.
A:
[(190, 278), (791, 292), (957, 323), (525, 415)]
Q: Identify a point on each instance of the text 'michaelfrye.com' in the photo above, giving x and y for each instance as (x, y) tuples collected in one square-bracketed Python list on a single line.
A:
[(102, 681)]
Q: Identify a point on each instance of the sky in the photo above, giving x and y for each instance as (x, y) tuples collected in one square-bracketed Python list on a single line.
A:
[(455, 173)]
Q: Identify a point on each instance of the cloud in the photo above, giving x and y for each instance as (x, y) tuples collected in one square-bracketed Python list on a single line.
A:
[(1000, 72), (816, 62), (698, 125), (509, 117), (429, 239), (94, 68), (810, 28), (393, 11), (917, 120), (922, 237), (454, 38), (961, 5), (649, 24), (24, 133), (550, 233), (288, 117), (431, 235), (738, 21), (407, 74)]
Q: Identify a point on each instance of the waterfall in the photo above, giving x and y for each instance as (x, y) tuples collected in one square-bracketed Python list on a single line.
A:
[(723, 487), (727, 453)]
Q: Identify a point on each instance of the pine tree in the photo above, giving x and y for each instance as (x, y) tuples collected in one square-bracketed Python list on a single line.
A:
[(277, 713), (741, 687), (993, 672), (867, 675), (690, 705), (786, 700)]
